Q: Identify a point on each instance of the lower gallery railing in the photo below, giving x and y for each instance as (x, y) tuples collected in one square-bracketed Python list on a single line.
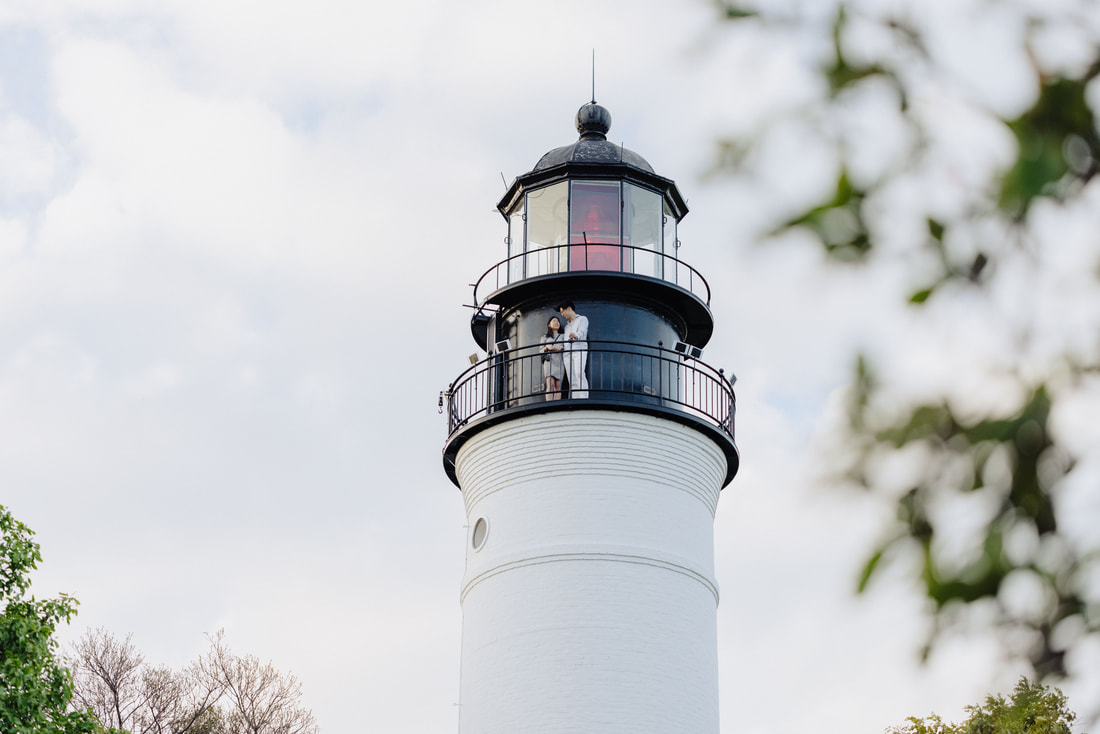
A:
[(615, 371)]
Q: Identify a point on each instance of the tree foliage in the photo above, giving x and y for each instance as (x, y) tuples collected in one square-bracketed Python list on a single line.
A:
[(35, 690), (1031, 709), (219, 693), (973, 228)]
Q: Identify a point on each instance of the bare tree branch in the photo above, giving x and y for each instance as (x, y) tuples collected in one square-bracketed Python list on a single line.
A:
[(111, 678), (264, 701)]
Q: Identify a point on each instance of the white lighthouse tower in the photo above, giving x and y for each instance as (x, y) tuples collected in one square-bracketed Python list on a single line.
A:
[(589, 600)]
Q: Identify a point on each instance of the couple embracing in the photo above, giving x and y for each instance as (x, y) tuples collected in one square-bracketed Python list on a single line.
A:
[(565, 353)]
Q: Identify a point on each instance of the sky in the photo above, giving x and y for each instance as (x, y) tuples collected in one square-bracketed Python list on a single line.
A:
[(235, 244)]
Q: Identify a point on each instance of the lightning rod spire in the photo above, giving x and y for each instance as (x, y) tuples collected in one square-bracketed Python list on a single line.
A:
[(593, 76)]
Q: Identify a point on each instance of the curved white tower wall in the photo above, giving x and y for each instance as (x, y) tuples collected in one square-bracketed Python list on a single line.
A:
[(589, 600)]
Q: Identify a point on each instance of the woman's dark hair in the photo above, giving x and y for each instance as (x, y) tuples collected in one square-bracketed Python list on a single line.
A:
[(549, 331)]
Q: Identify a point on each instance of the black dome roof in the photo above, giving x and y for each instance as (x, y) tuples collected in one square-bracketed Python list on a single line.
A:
[(593, 122), (592, 151), (593, 155)]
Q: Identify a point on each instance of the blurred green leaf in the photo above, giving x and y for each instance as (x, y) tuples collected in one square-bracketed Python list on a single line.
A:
[(935, 229), (1060, 114), (838, 223), (735, 11), (976, 267), (869, 569), (839, 73), (922, 295), (923, 422)]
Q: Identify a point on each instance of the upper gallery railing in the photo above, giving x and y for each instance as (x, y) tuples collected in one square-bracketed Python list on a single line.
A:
[(616, 371), (590, 257)]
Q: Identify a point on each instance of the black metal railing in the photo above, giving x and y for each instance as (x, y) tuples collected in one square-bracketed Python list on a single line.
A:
[(617, 372), (591, 257)]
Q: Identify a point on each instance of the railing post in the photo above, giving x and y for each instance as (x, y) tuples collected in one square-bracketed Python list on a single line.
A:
[(660, 372)]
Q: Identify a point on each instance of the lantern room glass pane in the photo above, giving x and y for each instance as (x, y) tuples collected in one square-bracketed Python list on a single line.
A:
[(515, 244), (670, 248), (547, 226), (642, 229), (595, 212)]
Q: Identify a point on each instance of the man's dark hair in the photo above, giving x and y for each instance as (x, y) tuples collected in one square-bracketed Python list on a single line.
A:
[(567, 304)]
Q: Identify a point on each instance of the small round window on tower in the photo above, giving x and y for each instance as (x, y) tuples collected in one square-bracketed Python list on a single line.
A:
[(481, 529)]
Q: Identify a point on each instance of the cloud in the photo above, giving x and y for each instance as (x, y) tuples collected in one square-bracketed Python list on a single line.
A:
[(13, 238), (28, 160)]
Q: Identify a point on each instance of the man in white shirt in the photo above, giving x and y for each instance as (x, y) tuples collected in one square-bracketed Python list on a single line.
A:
[(576, 334)]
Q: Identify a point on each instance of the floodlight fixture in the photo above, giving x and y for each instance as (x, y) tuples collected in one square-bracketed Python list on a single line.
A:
[(688, 350)]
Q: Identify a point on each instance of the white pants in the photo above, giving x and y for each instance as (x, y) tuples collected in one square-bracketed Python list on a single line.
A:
[(578, 383)]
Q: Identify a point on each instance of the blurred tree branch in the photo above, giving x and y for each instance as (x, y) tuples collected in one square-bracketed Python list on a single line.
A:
[(1010, 454)]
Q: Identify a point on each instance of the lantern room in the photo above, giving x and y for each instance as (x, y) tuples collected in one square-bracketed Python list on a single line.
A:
[(591, 206), (590, 224)]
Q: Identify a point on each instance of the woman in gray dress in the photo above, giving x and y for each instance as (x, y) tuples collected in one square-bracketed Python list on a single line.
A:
[(553, 367)]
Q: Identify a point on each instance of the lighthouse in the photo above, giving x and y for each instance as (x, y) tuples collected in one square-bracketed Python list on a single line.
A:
[(590, 446)]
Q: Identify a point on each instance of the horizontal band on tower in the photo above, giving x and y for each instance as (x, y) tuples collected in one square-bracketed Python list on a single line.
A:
[(609, 557)]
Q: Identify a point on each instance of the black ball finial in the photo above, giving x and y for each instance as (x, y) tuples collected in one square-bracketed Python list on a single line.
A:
[(593, 121)]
